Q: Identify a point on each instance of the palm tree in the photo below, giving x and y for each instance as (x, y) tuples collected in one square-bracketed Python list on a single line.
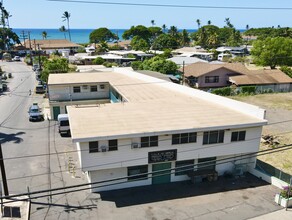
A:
[(209, 22), (6, 16), (66, 17), (152, 22), (44, 35), (184, 38), (164, 28), (247, 27), (199, 23), (173, 31), (227, 21), (63, 29)]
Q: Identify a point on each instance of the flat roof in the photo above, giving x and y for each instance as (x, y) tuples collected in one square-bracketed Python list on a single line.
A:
[(154, 107)]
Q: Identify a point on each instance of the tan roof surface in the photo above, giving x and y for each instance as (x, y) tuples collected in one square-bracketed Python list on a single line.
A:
[(200, 68), (261, 77), (51, 44), (151, 108)]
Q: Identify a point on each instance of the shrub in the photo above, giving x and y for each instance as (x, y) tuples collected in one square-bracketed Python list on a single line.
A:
[(98, 61), (284, 192), (226, 91), (248, 89), (136, 65)]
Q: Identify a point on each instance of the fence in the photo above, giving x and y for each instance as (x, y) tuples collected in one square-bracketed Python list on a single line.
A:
[(272, 171)]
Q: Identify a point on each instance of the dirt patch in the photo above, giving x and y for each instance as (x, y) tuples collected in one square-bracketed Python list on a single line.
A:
[(279, 115)]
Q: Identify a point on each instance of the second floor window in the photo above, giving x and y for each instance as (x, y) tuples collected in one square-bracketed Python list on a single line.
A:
[(238, 136), (184, 138), (76, 89), (93, 147), (211, 79), (113, 145), (213, 137), (93, 88), (151, 141)]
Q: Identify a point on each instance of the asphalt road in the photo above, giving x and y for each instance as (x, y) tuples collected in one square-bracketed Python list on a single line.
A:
[(34, 153)]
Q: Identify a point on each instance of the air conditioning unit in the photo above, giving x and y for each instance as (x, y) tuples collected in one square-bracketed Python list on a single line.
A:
[(103, 148), (135, 145), (85, 87)]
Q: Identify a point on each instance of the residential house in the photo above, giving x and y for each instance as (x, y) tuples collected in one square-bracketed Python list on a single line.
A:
[(160, 127), (264, 80), (206, 75), (181, 61), (51, 45)]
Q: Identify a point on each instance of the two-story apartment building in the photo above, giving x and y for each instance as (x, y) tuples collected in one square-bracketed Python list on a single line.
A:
[(79, 89), (160, 132)]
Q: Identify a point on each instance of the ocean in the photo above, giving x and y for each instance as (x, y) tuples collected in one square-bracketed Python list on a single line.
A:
[(80, 36)]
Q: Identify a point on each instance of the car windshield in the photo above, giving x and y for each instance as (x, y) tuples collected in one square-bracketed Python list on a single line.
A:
[(34, 110)]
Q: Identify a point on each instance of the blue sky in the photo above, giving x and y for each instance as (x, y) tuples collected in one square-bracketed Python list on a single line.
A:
[(47, 14)]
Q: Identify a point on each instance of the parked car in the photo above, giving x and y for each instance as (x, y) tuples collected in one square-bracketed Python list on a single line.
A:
[(40, 89), (16, 58), (35, 113)]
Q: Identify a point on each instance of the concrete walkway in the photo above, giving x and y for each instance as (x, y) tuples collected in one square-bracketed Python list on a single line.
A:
[(280, 214)]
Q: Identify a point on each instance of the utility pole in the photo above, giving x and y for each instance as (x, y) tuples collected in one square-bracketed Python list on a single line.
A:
[(183, 74), (24, 38), (30, 47), (4, 180), (39, 54)]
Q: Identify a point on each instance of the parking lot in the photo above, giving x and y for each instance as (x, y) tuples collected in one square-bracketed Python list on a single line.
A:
[(228, 198)]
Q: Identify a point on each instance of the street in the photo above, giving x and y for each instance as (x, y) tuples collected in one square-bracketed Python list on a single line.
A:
[(34, 154)]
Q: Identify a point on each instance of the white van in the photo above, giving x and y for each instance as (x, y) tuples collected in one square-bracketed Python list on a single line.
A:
[(221, 56), (63, 121)]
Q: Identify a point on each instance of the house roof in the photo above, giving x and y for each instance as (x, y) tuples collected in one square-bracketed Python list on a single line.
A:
[(155, 74), (200, 68), (50, 44), (186, 60), (153, 107), (261, 77)]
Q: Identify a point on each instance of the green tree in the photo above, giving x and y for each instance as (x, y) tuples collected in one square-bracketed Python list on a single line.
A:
[(102, 47), (164, 28), (101, 35), (198, 23), (139, 43), (235, 39), (44, 35), (63, 30), (8, 38), (287, 70), (66, 16), (228, 23), (173, 32), (165, 41), (139, 31), (152, 22), (272, 52), (159, 64), (209, 22), (98, 61), (184, 38), (136, 65), (55, 65)]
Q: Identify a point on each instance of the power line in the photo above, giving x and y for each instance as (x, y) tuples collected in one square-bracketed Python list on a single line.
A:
[(172, 171), (172, 5), (117, 162)]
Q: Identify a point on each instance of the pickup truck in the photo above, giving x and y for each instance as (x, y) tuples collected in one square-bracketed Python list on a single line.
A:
[(35, 113)]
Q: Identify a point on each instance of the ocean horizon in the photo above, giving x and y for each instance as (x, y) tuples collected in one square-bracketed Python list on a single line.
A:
[(79, 36)]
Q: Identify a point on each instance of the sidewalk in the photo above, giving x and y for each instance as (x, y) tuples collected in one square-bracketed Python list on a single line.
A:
[(281, 214)]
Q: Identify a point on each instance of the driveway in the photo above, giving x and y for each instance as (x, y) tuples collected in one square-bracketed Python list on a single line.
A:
[(228, 198)]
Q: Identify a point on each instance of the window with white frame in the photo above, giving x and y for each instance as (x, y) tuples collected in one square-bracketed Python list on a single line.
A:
[(238, 136), (213, 137), (184, 138), (93, 88), (76, 89), (93, 147), (113, 145), (151, 141)]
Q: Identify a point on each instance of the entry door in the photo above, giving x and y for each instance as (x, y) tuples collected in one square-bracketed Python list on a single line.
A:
[(158, 178), (56, 112)]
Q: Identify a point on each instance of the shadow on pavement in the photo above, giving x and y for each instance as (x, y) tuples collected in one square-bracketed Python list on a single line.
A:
[(178, 190), (11, 137)]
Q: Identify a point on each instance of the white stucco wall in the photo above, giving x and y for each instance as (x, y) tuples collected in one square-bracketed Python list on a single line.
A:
[(126, 156)]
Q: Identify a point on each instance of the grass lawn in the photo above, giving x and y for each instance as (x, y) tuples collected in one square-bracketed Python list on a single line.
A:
[(279, 109)]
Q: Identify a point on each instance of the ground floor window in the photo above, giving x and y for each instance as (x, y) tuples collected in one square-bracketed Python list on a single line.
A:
[(138, 172), (182, 167), (208, 163)]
